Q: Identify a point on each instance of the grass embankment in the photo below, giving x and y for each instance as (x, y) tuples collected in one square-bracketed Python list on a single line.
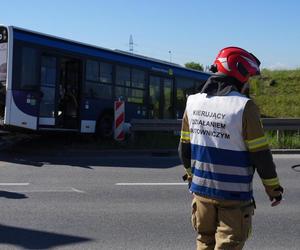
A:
[(277, 93)]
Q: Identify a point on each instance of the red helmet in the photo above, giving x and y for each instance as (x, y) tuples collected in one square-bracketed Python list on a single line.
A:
[(237, 63)]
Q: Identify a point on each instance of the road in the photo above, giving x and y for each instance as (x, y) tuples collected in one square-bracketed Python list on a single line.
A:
[(89, 200)]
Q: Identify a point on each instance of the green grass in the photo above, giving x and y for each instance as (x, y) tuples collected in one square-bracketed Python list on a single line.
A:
[(285, 139), (277, 93)]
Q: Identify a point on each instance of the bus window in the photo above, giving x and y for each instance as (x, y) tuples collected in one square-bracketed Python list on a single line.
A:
[(48, 84), (123, 76), (130, 95), (105, 73), (29, 69), (98, 90), (98, 80), (92, 70), (138, 79), (160, 97), (130, 86)]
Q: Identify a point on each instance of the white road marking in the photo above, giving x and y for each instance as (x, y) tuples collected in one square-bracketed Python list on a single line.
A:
[(77, 190), (151, 184), (36, 189), (14, 184), (49, 191)]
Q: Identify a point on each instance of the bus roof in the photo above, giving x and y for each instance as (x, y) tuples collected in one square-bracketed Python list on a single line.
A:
[(116, 51)]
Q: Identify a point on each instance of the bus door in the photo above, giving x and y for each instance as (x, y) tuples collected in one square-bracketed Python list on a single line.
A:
[(60, 78), (47, 111), (160, 97), (69, 93)]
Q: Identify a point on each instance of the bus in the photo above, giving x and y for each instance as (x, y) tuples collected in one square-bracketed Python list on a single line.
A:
[(49, 83)]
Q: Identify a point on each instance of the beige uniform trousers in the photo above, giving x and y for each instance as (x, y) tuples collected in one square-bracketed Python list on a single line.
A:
[(221, 224)]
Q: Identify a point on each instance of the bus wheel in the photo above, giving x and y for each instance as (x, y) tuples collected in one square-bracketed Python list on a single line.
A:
[(105, 127)]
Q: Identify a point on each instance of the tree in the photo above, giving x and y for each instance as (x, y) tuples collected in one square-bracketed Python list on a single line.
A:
[(194, 65)]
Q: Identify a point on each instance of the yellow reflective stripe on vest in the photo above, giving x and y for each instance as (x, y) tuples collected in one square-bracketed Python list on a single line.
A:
[(257, 143), (185, 135), (270, 182)]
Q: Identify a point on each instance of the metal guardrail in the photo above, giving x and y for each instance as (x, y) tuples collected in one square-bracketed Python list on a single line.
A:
[(281, 123), (175, 125)]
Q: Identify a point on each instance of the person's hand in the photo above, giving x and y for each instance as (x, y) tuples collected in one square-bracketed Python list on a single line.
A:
[(189, 179), (275, 194), (188, 176)]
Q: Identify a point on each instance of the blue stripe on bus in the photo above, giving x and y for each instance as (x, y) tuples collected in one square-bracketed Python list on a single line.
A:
[(223, 177), (220, 194), (113, 56), (220, 156)]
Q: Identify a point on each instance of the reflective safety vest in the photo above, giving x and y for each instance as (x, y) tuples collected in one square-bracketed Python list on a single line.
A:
[(220, 161)]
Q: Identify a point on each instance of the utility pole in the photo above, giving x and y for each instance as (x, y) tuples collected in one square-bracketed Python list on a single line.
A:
[(170, 54)]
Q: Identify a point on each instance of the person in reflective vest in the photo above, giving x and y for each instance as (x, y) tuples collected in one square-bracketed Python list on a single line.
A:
[(222, 143)]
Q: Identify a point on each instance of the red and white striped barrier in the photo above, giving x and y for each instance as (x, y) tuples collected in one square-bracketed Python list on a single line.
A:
[(119, 133)]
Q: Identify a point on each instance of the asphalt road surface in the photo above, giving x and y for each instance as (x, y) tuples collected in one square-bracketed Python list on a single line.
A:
[(90, 200)]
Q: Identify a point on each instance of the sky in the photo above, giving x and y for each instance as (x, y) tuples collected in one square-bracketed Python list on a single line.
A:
[(179, 31)]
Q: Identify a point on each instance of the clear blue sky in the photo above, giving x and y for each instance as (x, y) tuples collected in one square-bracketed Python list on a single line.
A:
[(193, 30)]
